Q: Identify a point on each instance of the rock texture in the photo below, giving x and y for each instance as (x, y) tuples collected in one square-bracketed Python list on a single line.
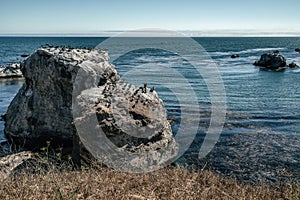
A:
[(10, 71), (133, 118), (41, 110), (16, 163), (272, 61)]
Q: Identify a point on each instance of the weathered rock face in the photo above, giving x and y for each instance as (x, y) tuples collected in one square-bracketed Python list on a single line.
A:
[(42, 108), (11, 71), (272, 61), (132, 118)]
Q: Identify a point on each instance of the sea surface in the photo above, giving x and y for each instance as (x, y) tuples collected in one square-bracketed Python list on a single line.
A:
[(258, 102)]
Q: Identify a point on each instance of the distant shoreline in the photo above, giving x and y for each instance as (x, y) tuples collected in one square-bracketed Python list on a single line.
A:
[(103, 36)]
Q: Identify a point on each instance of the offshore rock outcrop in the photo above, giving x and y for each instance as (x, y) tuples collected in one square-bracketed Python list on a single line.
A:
[(133, 118), (272, 61), (11, 71), (293, 65), (235, 56)]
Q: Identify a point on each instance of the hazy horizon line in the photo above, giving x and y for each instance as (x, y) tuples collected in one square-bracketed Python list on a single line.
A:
[(185, 33)]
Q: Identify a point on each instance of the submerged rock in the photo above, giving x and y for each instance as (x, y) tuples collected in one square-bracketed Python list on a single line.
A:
[(297, 50), (2, 116), (235, 56), (293, 65), (24, 55), (42, 109), (11, 71), (271, 61)]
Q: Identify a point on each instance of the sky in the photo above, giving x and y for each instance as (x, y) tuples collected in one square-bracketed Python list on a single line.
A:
[(195, 16)]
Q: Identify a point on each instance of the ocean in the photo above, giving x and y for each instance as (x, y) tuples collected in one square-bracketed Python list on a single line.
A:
[(260, 104)]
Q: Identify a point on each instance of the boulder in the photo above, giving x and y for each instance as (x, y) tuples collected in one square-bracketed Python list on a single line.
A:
[(271, 61), (293, 65), (132, 118), (42, 109), (2, 116), (11, 71), (17, 163), (235, 56), (297, 50)]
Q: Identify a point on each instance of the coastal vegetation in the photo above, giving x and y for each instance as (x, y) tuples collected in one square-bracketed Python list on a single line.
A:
[(98, 182)]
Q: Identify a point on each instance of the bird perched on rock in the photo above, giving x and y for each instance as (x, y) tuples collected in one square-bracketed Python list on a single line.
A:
[(145, 88), (152, 89)]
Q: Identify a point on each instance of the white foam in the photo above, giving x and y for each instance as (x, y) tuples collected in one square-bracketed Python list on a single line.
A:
[(296, 70), (245, 51), (259, 50)]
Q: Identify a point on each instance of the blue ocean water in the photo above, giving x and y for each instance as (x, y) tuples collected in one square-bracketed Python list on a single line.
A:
[(258, 101)]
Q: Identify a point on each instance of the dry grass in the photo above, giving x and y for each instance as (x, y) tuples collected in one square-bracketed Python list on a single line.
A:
[(168, 183)]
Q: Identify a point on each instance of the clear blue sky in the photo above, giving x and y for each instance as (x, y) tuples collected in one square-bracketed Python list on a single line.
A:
[(92, 16)]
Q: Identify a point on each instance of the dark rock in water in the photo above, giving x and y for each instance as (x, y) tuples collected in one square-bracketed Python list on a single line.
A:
[(297, 50), (24, 55), (42, 109), (11, 71), (271, 61), (276, 51), (235, 56), (3, 116), (293, 65), (49, 45)]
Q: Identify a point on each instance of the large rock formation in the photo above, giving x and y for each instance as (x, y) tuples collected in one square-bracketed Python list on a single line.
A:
[(272, 61), (132, 118), (41, 110)]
